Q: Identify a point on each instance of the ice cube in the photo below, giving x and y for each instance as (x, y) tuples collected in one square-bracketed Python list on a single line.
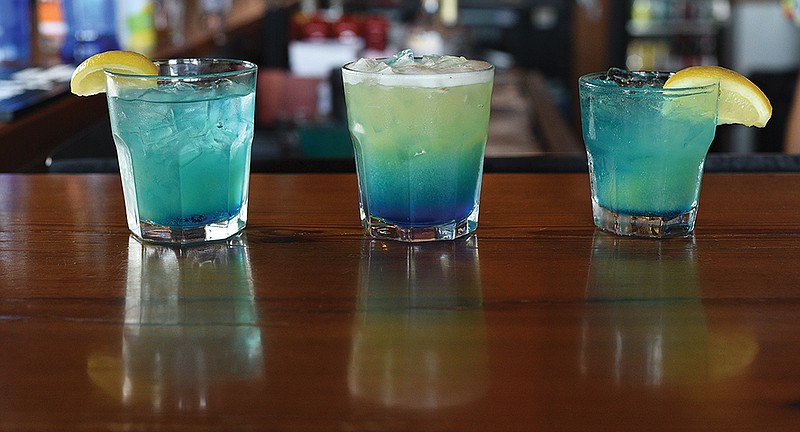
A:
[(156, 126), (188, 154), (625, 78), (223, 135), (403, 57), (404, 63), (432, 63), (179, 87), (369, 65), (222, 85), (190, 118), (446, 63)]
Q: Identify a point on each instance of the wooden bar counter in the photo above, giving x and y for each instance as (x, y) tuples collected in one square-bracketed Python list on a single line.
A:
[(535, 323)]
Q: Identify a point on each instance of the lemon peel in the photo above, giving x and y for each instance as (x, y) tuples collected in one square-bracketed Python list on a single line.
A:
[(740, 101), (89, 78)]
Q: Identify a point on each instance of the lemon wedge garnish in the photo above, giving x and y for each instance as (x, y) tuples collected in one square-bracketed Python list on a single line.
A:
[(89, 79), (740, 101)]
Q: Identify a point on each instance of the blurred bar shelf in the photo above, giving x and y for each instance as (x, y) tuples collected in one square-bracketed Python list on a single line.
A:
[(26, 141)]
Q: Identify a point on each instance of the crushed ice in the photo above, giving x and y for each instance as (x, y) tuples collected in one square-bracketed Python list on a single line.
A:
[(404, 62)]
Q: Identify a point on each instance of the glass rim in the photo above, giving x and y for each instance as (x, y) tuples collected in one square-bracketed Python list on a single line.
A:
[(347, 68), (585, 82), (247, 67)]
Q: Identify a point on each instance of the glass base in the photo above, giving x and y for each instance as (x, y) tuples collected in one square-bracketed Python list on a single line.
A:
[(681, 225), (381, 229), (222, 230)]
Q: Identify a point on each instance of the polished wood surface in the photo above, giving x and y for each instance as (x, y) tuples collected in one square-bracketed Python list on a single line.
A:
[(537, 322)]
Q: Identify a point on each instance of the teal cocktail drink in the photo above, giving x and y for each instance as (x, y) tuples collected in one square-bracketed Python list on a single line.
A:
[(646, 147), (183, 142), (419, 128)]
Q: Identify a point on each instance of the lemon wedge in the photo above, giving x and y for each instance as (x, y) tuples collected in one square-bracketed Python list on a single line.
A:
[(89, 79), (740, 101)]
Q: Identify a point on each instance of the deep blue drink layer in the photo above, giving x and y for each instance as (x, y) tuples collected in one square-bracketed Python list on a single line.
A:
[(423, 192)]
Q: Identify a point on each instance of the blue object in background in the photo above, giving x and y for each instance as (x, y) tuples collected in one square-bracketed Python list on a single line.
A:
[(91, 28), (15, 32)]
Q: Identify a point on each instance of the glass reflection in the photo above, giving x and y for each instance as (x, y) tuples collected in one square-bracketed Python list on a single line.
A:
[(419, 339), (644, 320), (190, 325)]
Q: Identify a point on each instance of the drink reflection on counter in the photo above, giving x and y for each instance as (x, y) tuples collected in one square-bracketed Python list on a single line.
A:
[(190, 325), (419, 339), (645, 322)]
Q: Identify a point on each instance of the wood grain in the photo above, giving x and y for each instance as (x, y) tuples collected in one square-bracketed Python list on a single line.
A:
[(537, 322)]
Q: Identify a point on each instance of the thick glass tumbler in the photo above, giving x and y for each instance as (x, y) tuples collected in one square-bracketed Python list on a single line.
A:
[(419, 128), (183, 142), (646, 147)]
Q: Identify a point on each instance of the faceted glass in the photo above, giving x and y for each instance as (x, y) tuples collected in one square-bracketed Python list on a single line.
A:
[(419, 143), (183, 142), (646, 147)]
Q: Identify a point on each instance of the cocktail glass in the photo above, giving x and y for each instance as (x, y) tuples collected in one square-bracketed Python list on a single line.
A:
[(646, 147), (419, 128), (183, 141)]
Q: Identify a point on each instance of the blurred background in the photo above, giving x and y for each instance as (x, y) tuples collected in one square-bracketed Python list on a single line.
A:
[(540, 48)]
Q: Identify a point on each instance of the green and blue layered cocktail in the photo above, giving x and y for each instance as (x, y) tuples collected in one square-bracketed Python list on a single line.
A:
[(183, 142), (419, 128), (646, 146)]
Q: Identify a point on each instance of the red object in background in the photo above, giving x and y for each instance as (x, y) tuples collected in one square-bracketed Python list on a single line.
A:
[(308, 27), (285, 98), (316, 29), (375, 32), (346, 28)]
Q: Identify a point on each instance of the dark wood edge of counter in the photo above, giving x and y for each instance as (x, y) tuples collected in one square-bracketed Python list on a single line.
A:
[(27, 141)]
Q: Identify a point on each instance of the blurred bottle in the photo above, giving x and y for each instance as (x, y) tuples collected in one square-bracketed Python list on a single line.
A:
[(425, 36), (91, 28), (448, 12), (170, 19), (51, 27), (136, 25), (791, 8), (15, 31), (436, 29), (216, 16)]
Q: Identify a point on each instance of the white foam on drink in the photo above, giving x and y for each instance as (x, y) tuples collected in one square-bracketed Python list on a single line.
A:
[(429, 71)]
